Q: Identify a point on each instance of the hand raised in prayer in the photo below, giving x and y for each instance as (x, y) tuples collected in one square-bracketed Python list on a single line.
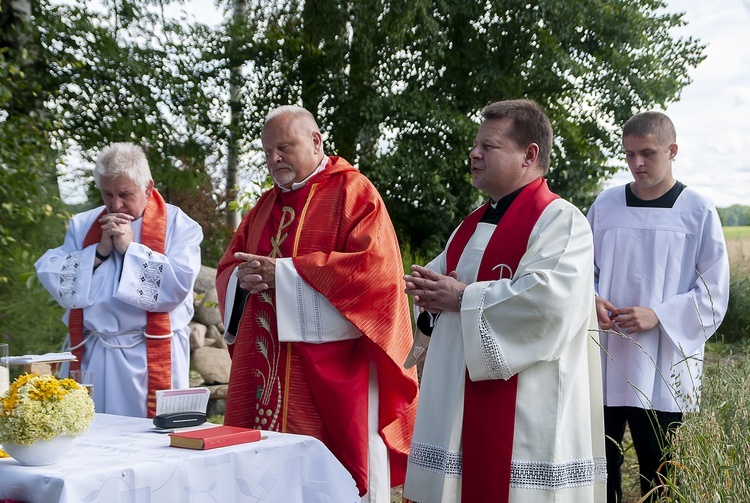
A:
[(634, 319), (116, 233), (256, 272), (432, 291)]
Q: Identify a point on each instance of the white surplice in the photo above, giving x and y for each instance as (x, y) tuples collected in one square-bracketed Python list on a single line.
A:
[(304, 315), (673, 260), (538, 323), (115, 298)]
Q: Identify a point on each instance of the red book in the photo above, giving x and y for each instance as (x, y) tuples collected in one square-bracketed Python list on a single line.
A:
[(209, 438)]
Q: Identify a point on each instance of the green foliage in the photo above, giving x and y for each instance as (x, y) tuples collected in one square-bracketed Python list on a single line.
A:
[(27, 158), (735, 215), (127, 73), (30, 320), (741, 231), (398, 86)]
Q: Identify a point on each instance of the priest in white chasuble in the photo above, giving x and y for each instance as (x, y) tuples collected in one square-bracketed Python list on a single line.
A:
[(315, 314), (510, 402), (125, 273)]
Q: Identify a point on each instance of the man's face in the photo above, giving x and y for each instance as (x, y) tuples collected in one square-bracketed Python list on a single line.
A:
[(293, 149), (122, 195), (497, 162), (650, 162)]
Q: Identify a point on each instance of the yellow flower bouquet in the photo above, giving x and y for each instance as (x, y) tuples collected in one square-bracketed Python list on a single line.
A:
[(42, 407)]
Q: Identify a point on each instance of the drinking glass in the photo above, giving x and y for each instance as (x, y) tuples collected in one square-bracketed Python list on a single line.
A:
[(4, 371), (85, 378)]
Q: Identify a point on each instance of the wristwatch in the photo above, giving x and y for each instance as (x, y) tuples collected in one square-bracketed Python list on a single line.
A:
[(460, 299)]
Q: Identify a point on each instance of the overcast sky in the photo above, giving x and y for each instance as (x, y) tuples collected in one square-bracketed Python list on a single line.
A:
[(713, 115)]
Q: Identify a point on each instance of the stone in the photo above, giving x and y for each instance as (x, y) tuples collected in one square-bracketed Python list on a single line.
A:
[(214, 364), (207, 308), (197, 335), (195, 378), (219, 390), (216, 336), (206, 279), (216, 407)]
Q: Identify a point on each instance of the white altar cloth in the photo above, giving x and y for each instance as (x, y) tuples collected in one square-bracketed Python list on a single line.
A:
[(122, 460)]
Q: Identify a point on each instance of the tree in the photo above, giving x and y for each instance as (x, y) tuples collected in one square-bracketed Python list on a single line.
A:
[(27, 158), (734, 215), (398, 86)]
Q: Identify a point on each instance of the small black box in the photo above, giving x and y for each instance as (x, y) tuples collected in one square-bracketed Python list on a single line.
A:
[(179, 419)]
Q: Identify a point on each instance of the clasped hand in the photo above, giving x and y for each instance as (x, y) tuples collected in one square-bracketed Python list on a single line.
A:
[(432, 291), (256, 272), (117, 233), (628, 320)]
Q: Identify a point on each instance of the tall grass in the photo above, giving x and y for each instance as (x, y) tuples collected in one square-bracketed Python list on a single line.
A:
[(736, 325), (711, 451)]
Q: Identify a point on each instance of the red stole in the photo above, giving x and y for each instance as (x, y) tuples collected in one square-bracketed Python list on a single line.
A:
[(342, 245), (490, 406), (158, 327)]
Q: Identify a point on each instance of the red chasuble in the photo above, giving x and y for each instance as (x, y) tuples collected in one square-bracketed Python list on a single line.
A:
[(158, 326), (490, 406), (338, 233)]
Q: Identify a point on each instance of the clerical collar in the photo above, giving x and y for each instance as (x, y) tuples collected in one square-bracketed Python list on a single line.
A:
[(496, 210), (299, 185)]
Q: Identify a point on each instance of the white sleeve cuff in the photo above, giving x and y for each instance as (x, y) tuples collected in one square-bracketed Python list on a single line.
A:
[(303, 314)]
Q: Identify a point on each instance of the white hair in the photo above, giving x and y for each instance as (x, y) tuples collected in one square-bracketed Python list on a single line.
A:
[(293, 110), (122, 159)]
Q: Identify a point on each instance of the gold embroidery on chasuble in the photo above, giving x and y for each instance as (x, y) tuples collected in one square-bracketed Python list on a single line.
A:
[(281, 394), (268, 391)]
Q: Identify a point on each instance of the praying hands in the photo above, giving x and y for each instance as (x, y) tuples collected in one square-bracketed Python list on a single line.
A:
[(256, 273), (432, 291)]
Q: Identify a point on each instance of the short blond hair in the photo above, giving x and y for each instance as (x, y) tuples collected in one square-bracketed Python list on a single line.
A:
[(292, 110)]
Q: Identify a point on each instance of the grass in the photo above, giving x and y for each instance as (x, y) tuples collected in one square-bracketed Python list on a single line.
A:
[(711, 451), (740, 231)]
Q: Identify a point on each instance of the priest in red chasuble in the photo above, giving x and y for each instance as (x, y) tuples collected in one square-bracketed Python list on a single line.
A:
[(511, 406), (314, 310)]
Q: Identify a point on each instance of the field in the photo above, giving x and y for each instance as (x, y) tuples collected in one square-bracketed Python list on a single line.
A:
[(738, 245)]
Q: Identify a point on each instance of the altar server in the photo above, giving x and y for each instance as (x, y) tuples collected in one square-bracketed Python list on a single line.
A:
[(125, 274), (510, 406), (662, 279)]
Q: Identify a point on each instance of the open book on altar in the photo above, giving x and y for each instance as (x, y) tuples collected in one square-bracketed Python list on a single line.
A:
[(181, 408), (170, 401)]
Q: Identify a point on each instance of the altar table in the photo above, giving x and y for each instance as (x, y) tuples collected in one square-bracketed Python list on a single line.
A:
[(123, 460)]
